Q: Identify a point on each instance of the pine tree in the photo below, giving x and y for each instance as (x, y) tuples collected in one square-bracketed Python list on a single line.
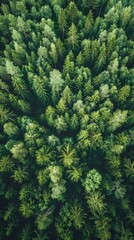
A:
[(62, 22), (89, 23), (124, 93), (6, 115), (75, 174), (61, 106), (68, 156), (129, 168), (60, 124), (73, 38), (96, 202), (56, 83), (72, 12), (117, 120), (11, 129), (77, 215), (93, 4), (68, 68), (40, 88), (20, 175), (53, 54), (101, 58), (6, 164), (44, 155), (125, 16)]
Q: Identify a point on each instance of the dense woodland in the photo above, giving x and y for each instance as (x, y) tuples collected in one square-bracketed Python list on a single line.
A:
[(66, 120)]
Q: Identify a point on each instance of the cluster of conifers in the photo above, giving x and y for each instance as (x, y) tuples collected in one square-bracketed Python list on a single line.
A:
[(66, 120)]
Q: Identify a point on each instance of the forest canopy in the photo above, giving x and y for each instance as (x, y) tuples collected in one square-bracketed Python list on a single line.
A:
[(66, 120)]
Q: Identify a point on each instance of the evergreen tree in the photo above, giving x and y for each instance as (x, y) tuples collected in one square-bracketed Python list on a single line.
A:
[(72, 40), (56, 83)]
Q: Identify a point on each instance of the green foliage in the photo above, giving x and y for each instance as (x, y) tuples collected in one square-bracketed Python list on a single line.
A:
[(77, 215), (92, 181), (124, 92), (68, 156), (96, 202), (125, 16), (118, 189), (62, 22), (50, 115), (11, 129), (11, 69), (26, 209), (75, 174), (93, 4), (101, 58), (58, 184), (6, 164), (55, 173), (20, 175), (102, 223), (19, 151), (60, 124), (44, 219), (72, 40), (117, 120), (89, 23), (6, 115), (63, 223), (39, 88), (129, 168), (66, 120), (26, 232), (56, 83), (58, 189), (61, 106), (44, 155)]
